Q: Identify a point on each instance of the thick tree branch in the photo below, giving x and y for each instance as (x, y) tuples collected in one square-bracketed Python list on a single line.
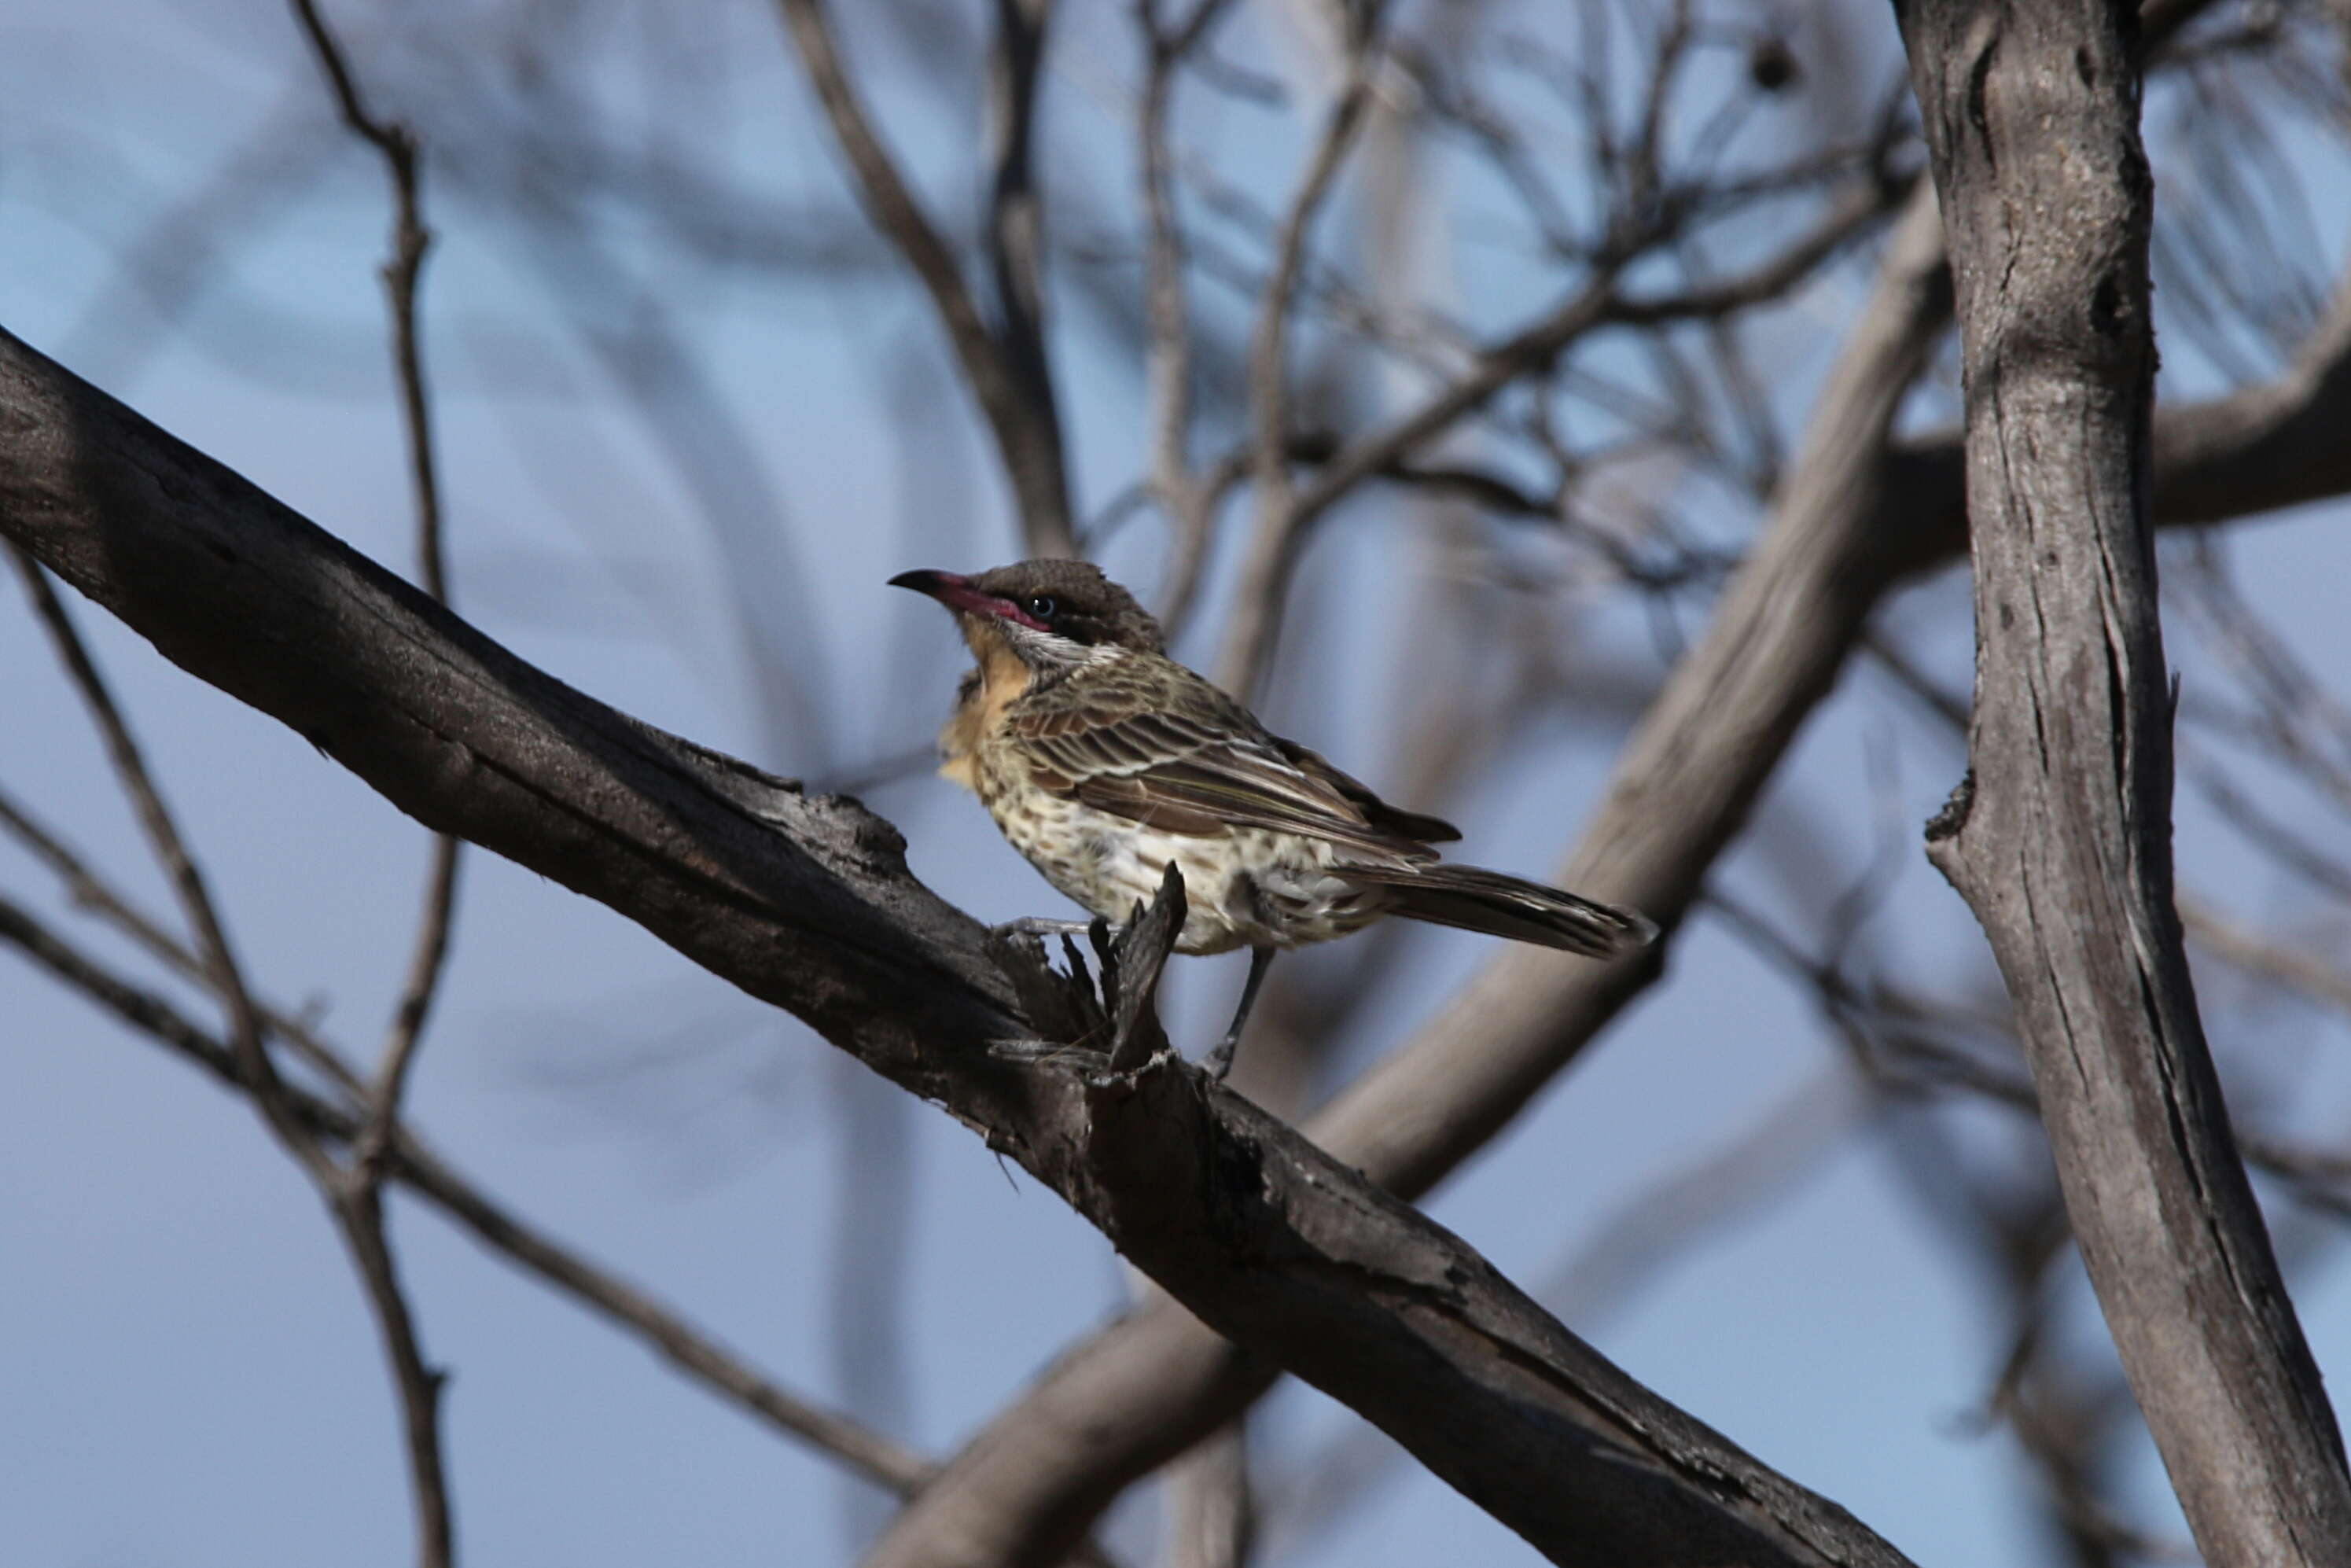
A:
[(2265, 449), (2060, 836), (806, 903)]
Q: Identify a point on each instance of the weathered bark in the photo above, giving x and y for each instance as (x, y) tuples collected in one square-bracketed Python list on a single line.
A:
[(2276, 444), (2061, 839), (806, 903)]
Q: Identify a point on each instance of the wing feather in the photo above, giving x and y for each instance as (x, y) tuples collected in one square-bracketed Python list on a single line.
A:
[(1174, 753)]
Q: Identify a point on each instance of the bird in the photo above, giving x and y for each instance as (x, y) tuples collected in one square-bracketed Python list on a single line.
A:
[(1104, 761)]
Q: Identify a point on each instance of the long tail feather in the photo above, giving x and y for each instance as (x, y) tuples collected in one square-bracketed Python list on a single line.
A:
[(1500, 905)]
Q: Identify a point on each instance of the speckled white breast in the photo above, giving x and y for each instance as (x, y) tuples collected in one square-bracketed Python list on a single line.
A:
[(1249, 889)]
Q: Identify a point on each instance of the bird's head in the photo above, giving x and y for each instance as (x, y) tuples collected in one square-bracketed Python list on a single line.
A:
[(1053, 616)]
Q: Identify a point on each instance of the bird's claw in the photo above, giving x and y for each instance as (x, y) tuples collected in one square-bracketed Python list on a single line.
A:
[(1219, 1061)]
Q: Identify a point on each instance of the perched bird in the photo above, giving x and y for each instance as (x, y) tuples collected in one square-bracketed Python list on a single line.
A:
[(1102, 760)]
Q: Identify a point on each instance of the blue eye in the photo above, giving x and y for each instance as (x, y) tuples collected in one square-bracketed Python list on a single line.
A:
[(1043, 606)]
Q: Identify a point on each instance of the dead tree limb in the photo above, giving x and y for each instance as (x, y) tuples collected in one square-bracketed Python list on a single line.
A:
[(2060, 836)]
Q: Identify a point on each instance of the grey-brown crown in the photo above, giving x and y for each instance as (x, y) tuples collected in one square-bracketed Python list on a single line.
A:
[(1069, 598)]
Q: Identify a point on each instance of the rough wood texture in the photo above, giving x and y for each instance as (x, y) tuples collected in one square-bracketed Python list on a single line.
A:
[(2061, 840), (806, 903)]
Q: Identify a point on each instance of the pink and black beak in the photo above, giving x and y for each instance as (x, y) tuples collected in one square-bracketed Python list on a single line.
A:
[(958, 594)]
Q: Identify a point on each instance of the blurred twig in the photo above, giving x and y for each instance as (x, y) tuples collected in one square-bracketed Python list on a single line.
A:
[(1028, 432), (411, 1162), (1256, 622), (352, 1191), (357, 1190), (2306, 972), (1190, 504), (1269, 374)]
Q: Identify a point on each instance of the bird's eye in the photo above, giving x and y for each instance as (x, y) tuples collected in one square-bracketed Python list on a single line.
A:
[(1043, 606)]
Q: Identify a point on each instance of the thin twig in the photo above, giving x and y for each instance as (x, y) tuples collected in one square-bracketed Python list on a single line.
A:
[(1028, 434), (356, 1211), (1264, 577), (427, 961), (2306, 972), (413, 1164), (92, 892), (171, 851), (1249, 646), (356, 1189), (1167, 354), (1883, 1019)]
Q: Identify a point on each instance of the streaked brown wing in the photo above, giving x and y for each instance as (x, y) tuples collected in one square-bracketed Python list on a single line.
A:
[(1410, 824), (1195, 762)]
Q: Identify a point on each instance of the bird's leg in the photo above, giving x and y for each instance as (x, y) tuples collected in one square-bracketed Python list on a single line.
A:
[(1220, 1060)]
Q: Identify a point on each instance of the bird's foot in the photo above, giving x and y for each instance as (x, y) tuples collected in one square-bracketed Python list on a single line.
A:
[(1219, 1061)]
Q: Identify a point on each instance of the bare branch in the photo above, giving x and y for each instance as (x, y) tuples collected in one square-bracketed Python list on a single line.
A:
[(1211, 1523), (2313, 976), (1167, 354), (1257, 615), (356, 1192), (2060, 837), (171, 851), (1264, 577), (93, 893), (426, 965), (413, 1163), (1855, 516), (1016, 220), (2265, 447), (1028, 432), (1637, 1240)]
